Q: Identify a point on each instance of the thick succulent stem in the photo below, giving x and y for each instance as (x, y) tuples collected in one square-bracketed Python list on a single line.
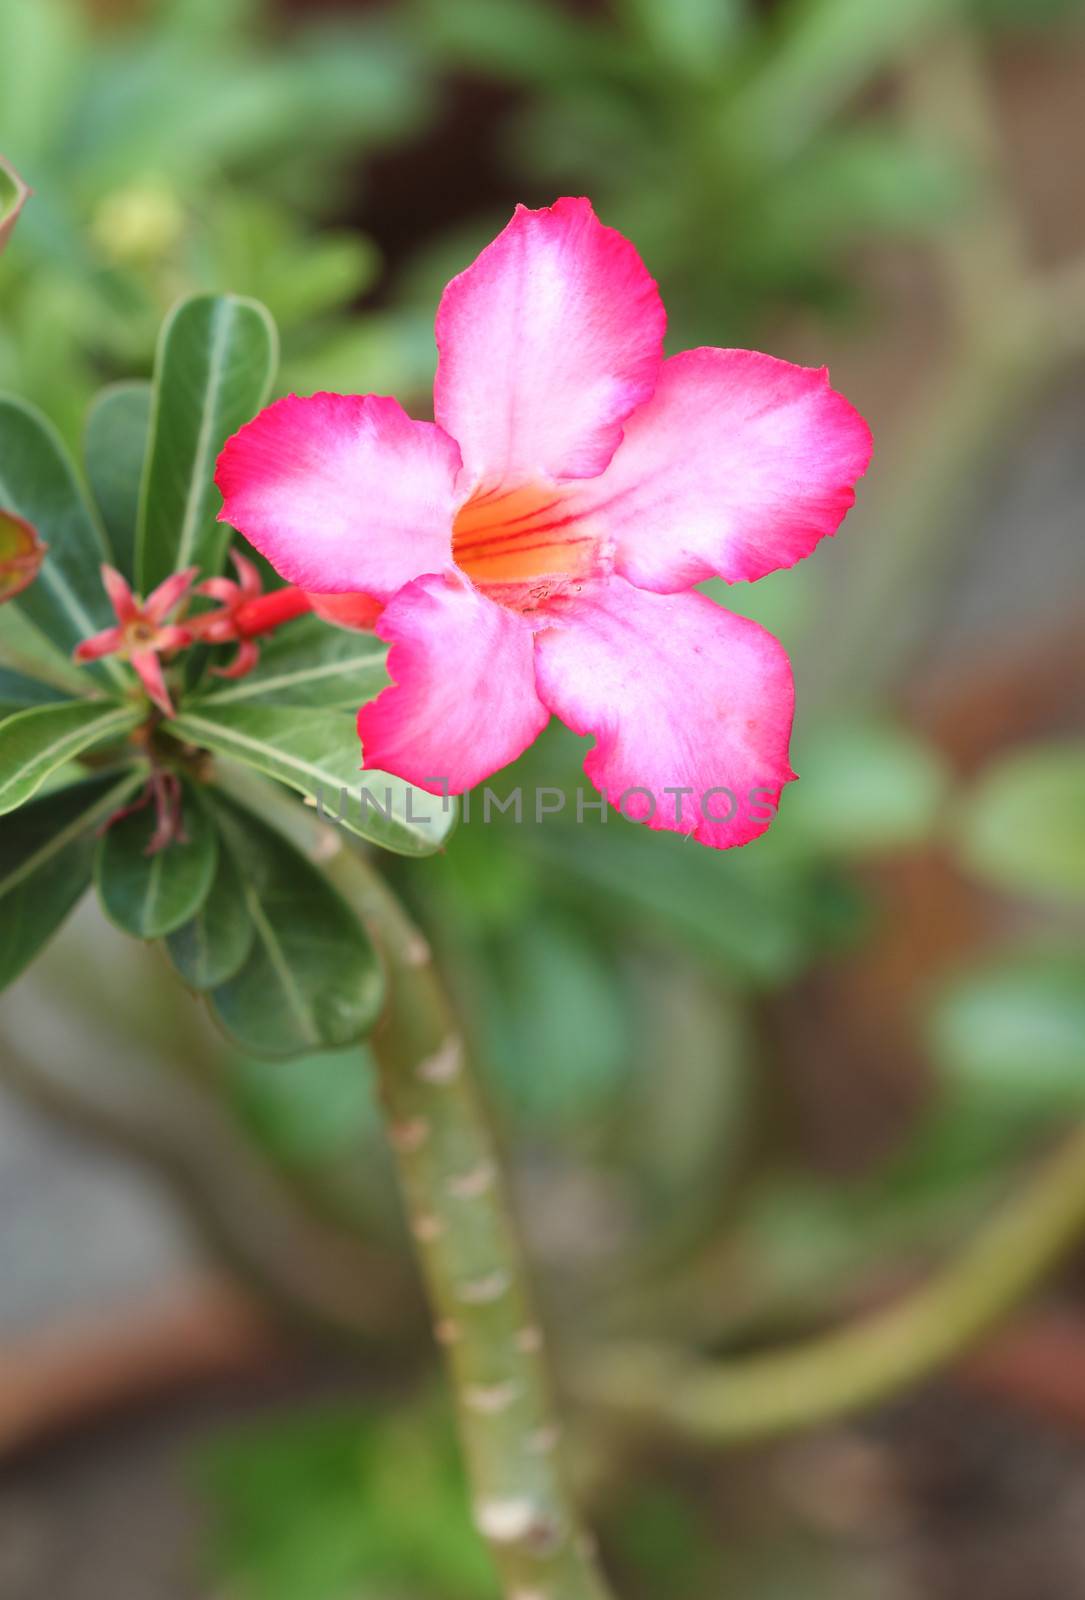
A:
[(467, 1242)]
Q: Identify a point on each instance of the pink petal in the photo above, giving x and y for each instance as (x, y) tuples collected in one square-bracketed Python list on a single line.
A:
[(736, 466), (224, 589), (547, 342), (215, 627), (99, 644), (248, 654), (463, 701), (679, 694), (149, 669), (161, 601), (120, 594), (347, 610), (248, 574), (173, 638), (342, 492)]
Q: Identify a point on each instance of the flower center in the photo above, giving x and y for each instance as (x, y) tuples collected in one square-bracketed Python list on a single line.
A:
[(522, 538), (140, 635)]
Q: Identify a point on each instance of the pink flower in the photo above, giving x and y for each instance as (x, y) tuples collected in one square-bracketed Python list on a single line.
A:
[(535, 549), (143, 634)]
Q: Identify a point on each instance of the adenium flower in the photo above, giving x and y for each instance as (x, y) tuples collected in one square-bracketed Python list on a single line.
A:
[(535, 549), (143, 634)]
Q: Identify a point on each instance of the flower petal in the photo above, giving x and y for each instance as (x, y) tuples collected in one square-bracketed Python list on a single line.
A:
[(148, 667), (680, 695), (463, 701), (119, 592), (99, 644), (547, 342), (222, 589), (161, 601), (346, 610), (737, 465), (174, 637), (248, 573), (342, 492), (248, 654)]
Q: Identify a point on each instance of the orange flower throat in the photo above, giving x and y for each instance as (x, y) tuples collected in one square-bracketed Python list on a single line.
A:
[(522, 536)]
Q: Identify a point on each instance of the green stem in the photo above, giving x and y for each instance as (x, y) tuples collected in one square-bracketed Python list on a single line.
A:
[(469, 1251), (875, 1359)]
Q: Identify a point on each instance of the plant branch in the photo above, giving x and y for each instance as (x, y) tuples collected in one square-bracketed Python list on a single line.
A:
[(467, 1242), (738, 1401)]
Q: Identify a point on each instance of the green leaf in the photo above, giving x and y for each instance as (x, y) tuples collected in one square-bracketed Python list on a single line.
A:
[(214, 944), (26, 650), (13, 195), (149, 895), (315, 1111), (1013, 1033), (317, 753), (216, 359), (17, 692), (311, 663), (557, 1023), (46, 855), (37, 481), (729, 909), (312, 979), (36, 742), (1023, 825), (114, 449)]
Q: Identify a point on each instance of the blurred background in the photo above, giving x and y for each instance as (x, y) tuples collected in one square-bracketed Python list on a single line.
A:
[(745, 1096)]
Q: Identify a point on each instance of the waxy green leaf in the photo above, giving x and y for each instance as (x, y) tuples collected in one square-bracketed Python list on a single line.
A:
[(213, 945), (312, 979), (13, 195), (311, 663), (114, 450), (36, 742), (317, 753), (37, 481), (46, 855), (25, 649), (216, 359), (18, 692), (149, 895)]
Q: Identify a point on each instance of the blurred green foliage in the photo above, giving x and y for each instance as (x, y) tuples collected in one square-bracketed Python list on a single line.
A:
[(1022, 826), (188, 144), (348, 1504), (715, 135)]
